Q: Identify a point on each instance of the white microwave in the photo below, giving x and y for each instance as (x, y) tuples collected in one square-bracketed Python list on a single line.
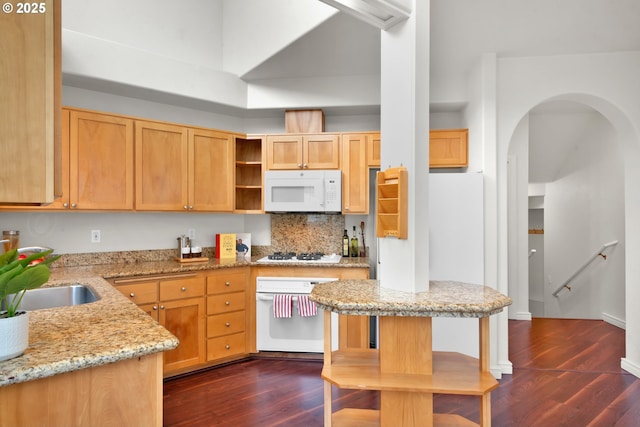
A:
[(303, 191)]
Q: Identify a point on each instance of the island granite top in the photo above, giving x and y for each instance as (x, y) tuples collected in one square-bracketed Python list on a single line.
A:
[(443, 299), (67, 339)]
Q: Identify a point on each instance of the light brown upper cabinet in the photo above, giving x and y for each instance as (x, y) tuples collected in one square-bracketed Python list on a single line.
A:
[(295, 151), (100, 162), (355, 172), (97, 163), (183, 169), (30, 111), (373, 150), (211, 167), (448, 148)]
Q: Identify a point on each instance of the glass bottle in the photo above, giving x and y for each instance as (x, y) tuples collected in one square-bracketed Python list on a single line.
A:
[(345, 244), (354, 243)]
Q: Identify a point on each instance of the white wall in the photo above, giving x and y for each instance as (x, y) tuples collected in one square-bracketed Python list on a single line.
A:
[(607, 82), (584, 209)]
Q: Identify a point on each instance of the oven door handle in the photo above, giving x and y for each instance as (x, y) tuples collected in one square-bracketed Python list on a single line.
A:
[(269, 297)]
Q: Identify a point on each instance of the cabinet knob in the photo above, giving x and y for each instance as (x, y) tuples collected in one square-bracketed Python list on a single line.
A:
[(227, 324), (74, 205), (185, 207), (190, 206), (305, 166), (132, 295), (227, 283), (299, 165), (346, 208), (155, 307), (183, 289), (227, 303), (227, 346), (65, 204), (162, 307)]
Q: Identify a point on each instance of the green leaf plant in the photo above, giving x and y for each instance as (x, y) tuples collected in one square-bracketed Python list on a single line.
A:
[(18, 275)]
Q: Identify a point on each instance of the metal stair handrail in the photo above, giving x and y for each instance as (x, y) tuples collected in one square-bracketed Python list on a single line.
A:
[(598, 253)]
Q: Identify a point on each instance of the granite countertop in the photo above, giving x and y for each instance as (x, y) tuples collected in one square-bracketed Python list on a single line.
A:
[(140, 268), (83, 336), (443, 299)]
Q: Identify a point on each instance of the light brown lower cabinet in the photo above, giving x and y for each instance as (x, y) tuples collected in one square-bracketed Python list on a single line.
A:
[(178, 303), (125, 393), (227, 315)]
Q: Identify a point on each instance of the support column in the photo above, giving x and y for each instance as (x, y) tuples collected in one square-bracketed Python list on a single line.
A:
[(404, 264)]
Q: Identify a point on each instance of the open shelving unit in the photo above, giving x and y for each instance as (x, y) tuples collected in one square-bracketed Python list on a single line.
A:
[(391, 203), (407, 373), (249, 171)]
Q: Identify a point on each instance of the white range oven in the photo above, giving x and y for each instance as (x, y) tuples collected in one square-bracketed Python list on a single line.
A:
[(295, 333)]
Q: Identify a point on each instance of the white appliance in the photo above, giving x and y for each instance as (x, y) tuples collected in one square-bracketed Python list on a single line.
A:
[(303, 191), (295, 333)]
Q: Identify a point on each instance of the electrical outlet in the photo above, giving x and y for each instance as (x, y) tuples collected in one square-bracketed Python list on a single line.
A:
[(192, 233), (95, 236)]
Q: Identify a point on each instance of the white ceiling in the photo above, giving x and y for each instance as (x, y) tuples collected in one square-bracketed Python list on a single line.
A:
[(461, 31)]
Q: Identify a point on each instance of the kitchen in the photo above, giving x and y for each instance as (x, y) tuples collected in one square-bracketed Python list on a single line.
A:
[(137, 231)]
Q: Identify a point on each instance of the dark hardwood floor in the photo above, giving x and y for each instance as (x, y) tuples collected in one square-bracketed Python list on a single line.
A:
[(565, 373)]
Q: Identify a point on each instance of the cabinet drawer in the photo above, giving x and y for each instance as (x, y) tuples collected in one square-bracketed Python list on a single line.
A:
[(228, 345), (181, 288), (225, 324), (140, 293), (223, 283), (225, 303)]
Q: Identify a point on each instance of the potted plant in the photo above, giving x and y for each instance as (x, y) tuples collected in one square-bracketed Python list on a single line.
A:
[(18, 274)]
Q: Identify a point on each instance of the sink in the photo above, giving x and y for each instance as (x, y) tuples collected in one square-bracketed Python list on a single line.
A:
[(61, 296)]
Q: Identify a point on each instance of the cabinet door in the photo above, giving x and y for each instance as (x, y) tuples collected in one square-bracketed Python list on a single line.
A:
[(211, 178), (161, 167), (30, 88), (448, 148), (100, 161), (321, 151), (373, 150), (184, 318), (284, 152), (355, 174)]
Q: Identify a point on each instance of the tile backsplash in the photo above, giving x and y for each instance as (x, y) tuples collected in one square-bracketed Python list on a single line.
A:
[(292, 232)]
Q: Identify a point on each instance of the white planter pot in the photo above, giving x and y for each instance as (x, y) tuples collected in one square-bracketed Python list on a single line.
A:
[(14, 335)]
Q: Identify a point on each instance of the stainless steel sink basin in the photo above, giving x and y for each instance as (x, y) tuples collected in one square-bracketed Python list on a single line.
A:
[(62, 296)]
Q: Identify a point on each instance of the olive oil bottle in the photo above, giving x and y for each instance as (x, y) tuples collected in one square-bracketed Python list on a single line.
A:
[(354, 243), (345, 244)]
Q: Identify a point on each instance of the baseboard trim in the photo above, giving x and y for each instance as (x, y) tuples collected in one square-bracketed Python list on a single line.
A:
[(523, 315), (615, 321), (502, 368), (630, 367)]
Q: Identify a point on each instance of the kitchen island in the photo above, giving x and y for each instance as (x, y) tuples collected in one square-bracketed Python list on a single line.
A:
[(405, 369), (91, 364)]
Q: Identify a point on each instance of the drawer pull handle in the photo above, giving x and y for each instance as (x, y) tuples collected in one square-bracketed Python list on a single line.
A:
[(227, 324), (132, 295), (227, 346), (227, 303), (184, 289), (155, 307), (162, 307), (227, 283)]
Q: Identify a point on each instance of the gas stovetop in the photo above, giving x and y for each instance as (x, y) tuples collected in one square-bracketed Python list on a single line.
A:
[(305, 257)]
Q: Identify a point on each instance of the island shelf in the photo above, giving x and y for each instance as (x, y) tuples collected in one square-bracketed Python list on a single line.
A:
[(404, 368)]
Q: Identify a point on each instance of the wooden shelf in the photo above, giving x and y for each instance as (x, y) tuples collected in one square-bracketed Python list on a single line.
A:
[(350, 417), (391, 203), (453, 373), (249, 172)]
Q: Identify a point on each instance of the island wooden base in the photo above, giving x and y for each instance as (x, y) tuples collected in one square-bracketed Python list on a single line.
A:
[(122, 393), (407, 373)]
